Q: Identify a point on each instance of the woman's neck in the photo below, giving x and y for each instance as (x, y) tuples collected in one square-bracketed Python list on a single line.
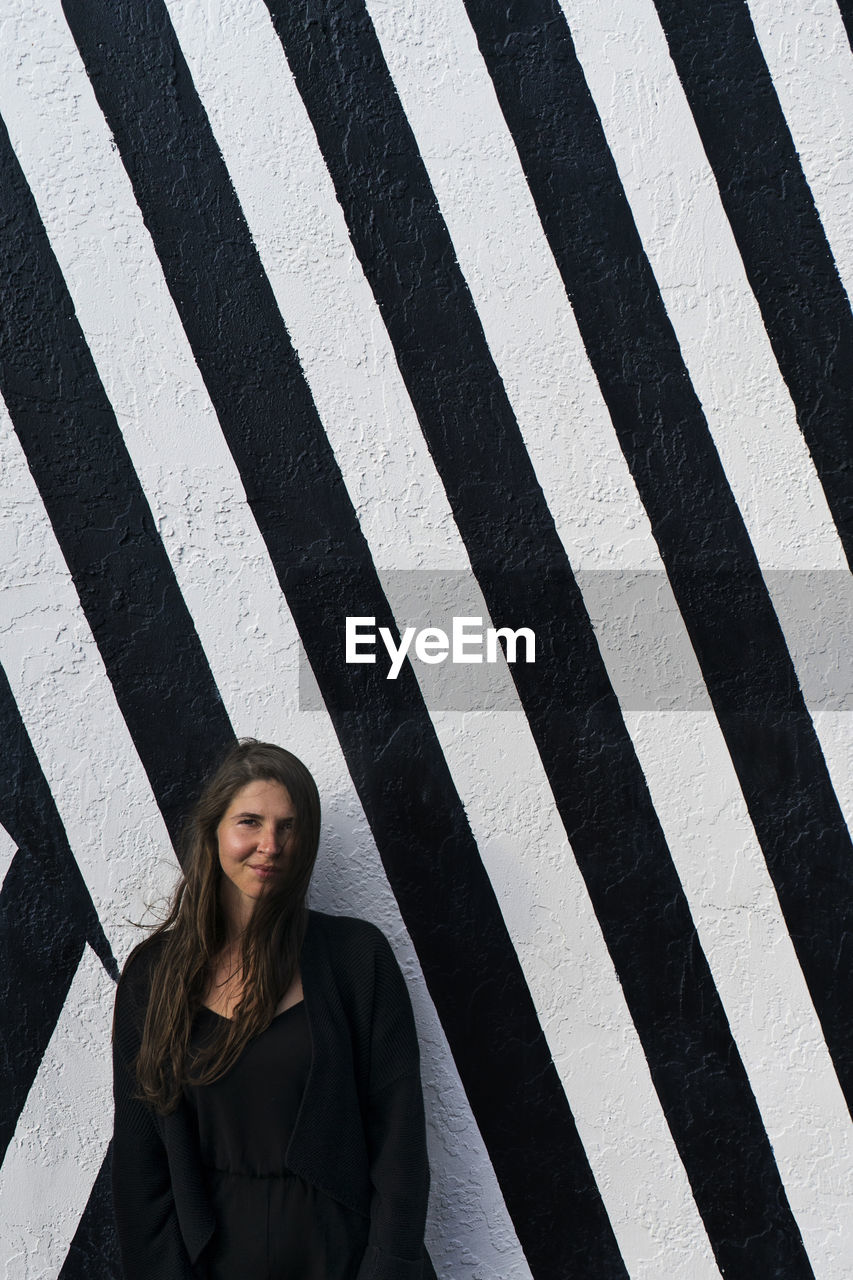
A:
[(237, 910)]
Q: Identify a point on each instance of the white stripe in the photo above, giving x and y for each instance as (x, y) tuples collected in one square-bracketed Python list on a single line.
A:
[(67, 704), (8, 849), (533, 336), (806, 48), (221, 563), (755, 971), (677, 209), (62, 1134), (272, 155)]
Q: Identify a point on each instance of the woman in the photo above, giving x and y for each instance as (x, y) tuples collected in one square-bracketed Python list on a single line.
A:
[(268, 1109)]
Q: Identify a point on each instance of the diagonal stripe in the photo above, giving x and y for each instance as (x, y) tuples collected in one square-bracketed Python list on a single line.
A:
[(809, 58), (519, 563), (288, 198), (91, 772), (46, 914), (94, 1248), (106, 808), (747, 405), (62, 1134), (772, 213), (307, 521), (28, 810), (845, 8), (103, 524), (517, 291), (146, 366), (8, 849), (708, 556), (801, 1102), (39, 954)]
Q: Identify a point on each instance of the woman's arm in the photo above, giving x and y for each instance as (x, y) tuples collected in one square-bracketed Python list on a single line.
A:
[(396, 1135), (150, 1240)]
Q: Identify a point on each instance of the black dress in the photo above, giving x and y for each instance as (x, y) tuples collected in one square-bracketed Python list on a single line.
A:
[(270, 1223), (360, 1134)]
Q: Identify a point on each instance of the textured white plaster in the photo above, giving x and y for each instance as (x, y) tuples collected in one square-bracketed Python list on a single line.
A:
[(756, 973), (269, 146), (223, 569), (692, 251), (578, 999), (288, 199), (806, 48), (62, 1134), (8, 849), (249, 637), (532, 335), (142, 356), (69, 710)]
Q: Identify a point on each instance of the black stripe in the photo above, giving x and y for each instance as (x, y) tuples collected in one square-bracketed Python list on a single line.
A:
[(519, 561), (93, 1253), (846, 10), (708, 556), (40, 950), (46, 917), (769, 204), (324, 566), (99, 513)]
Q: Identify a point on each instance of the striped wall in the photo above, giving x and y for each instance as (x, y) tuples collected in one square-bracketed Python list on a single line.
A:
[(535, 312)]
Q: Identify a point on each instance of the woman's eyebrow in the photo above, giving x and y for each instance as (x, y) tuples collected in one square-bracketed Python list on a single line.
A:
[(247, 813)]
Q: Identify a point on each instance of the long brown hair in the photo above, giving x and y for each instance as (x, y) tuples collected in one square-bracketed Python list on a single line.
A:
[(194, 931)]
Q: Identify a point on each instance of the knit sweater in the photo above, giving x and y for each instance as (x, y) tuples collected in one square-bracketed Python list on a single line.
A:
[(359, 1136)]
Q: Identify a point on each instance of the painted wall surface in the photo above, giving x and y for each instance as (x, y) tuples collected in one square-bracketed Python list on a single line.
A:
[(537, 313)]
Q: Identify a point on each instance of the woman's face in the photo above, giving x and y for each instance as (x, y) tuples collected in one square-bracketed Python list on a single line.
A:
[(254, 836)]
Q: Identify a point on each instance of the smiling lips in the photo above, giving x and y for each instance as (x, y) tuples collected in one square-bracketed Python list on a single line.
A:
[(265, 872)]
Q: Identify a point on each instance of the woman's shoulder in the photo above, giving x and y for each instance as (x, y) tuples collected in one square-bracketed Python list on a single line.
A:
[(350, 934), (132, 993), (360, 955), (146, 952), (137, 970), (373, 990), (357, 949)]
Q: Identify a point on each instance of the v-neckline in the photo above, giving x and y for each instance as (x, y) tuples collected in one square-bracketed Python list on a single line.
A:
[(225, 1018)]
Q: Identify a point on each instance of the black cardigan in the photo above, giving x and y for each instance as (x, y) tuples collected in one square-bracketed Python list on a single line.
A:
[(359, 1135)]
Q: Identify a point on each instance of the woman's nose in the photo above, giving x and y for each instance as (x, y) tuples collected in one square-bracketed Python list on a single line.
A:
[(268, 841)]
